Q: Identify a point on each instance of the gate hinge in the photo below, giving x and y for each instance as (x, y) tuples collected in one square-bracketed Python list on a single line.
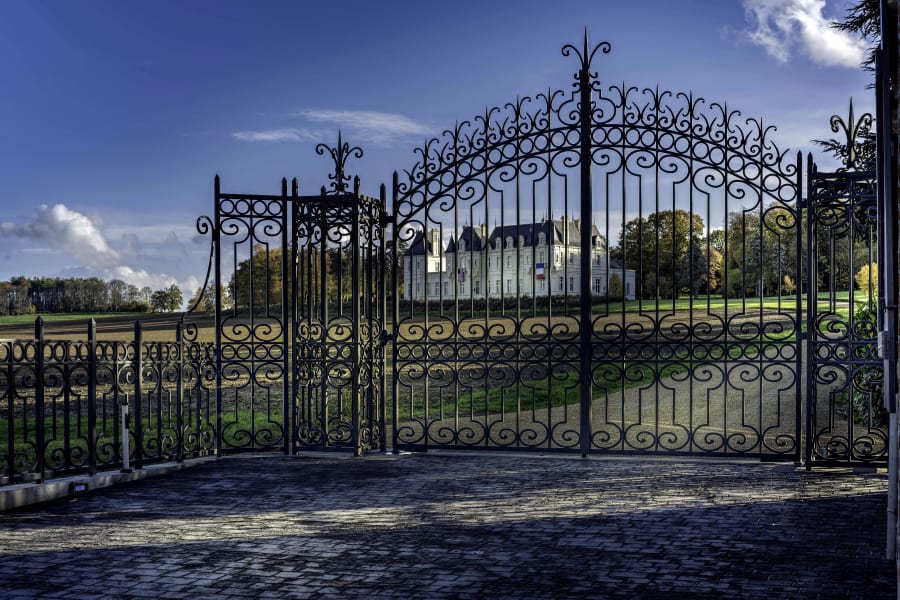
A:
[(386, 337), (803, 203), (386, 219)]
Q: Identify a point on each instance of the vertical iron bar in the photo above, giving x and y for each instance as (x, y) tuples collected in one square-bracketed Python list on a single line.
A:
[(286, 320), (355, 316), (10, 412), (798, 300), (395, 304), (40, 418), (811, 305), (382, 320), (92, 395), (216, 239), (291, 366), (585, 328), (323, 342), (179, 394), (138, 396)]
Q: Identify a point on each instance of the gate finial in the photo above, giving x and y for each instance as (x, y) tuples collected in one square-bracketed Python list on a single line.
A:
[(586, 54), (857, 152), (339, 154)]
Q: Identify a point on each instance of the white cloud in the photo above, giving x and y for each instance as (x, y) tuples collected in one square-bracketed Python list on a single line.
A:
[(782, 27), (383, 129), (71, 232), (289, 134), (79, 238)]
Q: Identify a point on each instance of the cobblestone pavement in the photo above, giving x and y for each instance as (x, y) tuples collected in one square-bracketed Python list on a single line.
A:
[(458, 526)]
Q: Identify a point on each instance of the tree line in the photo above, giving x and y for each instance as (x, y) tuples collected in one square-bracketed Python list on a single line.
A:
[(754, 254), (52, 295)]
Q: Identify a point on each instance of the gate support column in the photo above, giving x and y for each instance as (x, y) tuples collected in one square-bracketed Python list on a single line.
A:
[(585, 327)]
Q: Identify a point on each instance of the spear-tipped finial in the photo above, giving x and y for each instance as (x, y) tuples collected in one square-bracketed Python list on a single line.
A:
[(855, 131), (586, 52), (339, 154)]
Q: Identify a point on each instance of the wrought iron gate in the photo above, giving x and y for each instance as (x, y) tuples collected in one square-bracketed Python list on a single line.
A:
[(608, 269), (299, 321), (612, 269), (847, 420)]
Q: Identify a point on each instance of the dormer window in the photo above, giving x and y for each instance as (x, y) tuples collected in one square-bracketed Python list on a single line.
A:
[(542, 239), (509, 241)]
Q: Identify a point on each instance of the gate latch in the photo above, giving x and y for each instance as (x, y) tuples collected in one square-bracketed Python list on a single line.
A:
[(386, 337)]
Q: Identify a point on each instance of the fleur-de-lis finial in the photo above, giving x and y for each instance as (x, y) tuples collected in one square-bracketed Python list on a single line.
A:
[(339, 154), (852, 128), (586, 53)]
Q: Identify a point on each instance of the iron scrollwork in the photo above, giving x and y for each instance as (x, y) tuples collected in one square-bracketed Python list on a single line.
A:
[(490, 334)]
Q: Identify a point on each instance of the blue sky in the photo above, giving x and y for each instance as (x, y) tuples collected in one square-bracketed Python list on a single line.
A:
[(117, 115)]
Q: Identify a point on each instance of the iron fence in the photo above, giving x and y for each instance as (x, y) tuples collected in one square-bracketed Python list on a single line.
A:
[(62, 401)]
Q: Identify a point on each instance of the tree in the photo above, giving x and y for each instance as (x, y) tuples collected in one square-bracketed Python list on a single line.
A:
[(117, 289), (864, 20), (656, 247), (867, 279), (204, 301), (166, 300), (693, 272), (257, 280)]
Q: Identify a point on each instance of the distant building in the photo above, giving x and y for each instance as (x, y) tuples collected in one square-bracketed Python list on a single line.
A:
[(542, 259)]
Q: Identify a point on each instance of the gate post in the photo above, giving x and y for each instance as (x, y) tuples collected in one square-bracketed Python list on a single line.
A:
[(217, 259), (811, 306), (585, 327), (40, 417), (286, 346)]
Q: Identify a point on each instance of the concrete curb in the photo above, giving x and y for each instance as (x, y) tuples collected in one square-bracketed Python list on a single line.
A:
[(26, 494)]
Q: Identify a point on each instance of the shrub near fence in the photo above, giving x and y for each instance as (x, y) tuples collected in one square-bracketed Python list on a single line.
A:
[(61, 401)]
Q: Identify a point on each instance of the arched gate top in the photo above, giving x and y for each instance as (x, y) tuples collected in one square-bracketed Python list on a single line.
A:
[(631, 128)]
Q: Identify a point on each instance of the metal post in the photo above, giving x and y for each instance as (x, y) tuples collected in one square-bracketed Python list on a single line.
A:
[(291, 365), (798, 268), (286, 259), (126, 439), (395, 310), (217, 257), (40, 418), (355, 316), (179, 394), (92, 396), (811, 305), (382, 308), (585, 326), (138, 394)]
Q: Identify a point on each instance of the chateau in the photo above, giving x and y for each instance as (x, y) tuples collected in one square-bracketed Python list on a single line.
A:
[(541, 259)]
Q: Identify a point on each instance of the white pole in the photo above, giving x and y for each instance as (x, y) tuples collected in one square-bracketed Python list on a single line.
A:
[(126, 450)]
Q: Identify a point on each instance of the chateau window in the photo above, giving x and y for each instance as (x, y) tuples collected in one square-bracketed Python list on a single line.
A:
[(509, 261), (446, 289), (571, 284), (542, 285), (509, 285), (477, 286)]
